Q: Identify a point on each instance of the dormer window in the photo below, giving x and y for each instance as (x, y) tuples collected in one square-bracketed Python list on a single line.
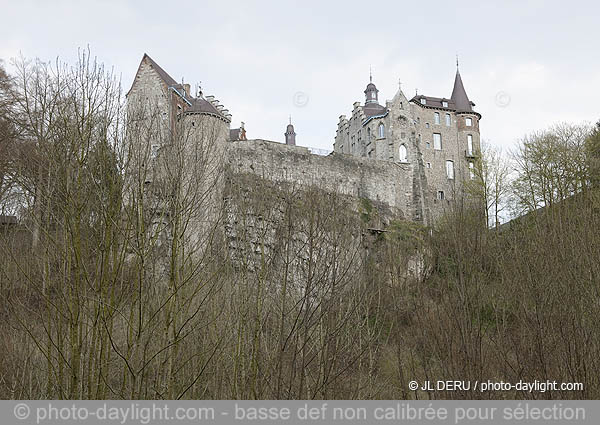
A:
[(423, 101), (444, 104)]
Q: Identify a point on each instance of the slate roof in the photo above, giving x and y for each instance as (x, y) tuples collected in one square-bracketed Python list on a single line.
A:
[(161, 72), (459, 96), (435, 102), (372, 109), (198, 105), (459, 101)]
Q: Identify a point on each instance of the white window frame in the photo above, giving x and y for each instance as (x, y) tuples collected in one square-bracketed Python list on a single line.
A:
[(444, 104), (450, 169), (437, 141), (448, 120), (381, 130), (469, 122), (403, 153), (436, 118), (470, 144), (472, 170)]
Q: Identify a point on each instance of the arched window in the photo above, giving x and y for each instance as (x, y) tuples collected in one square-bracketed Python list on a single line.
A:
[(381, 131), (368, 134), (450, 169), (403, 153)]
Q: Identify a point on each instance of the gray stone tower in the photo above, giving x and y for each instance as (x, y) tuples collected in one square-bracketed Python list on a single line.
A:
[(290, 134)]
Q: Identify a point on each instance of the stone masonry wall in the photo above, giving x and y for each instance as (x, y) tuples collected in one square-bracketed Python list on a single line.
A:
[(379, 181)]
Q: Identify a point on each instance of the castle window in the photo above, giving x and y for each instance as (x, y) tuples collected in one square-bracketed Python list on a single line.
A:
[(401, 105), (381, 131), (471, 170), (153, 151), (423, 101), (440, 195), (444, 104), (468, 122), (448, 120), (470, 144), (403, 153), (437, 141), (428, 145), (436, 118), (426, 125), (429, 165), (450, 169)]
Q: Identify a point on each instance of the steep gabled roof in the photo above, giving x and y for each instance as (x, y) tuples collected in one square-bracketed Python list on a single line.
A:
[(459, 95), (169, 81), (162, 74), (197, 105)]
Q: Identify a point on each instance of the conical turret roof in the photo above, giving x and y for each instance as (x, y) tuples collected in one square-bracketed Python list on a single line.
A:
[(459, 95)]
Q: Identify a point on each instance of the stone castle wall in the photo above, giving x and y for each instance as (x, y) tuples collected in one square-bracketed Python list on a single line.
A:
[(382, 182)]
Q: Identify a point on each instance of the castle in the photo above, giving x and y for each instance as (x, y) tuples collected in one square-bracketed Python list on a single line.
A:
[(411, 156)]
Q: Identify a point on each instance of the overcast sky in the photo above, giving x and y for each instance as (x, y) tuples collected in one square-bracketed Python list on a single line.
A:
[(526, 64)]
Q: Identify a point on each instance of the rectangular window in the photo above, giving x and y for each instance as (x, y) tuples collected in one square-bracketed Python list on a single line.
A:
[(436, 117), (468, 122), (448, 120), (450, 169), (423, 101), (444, 104), (470, 144), (154, 151), (440, 195), (437, 141), (471, 170)]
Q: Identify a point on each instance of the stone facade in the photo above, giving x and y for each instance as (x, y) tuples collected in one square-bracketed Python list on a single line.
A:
[(411, 156), (438, 138)]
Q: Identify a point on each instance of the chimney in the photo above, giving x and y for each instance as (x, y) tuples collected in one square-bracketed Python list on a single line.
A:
[(186, 88)]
